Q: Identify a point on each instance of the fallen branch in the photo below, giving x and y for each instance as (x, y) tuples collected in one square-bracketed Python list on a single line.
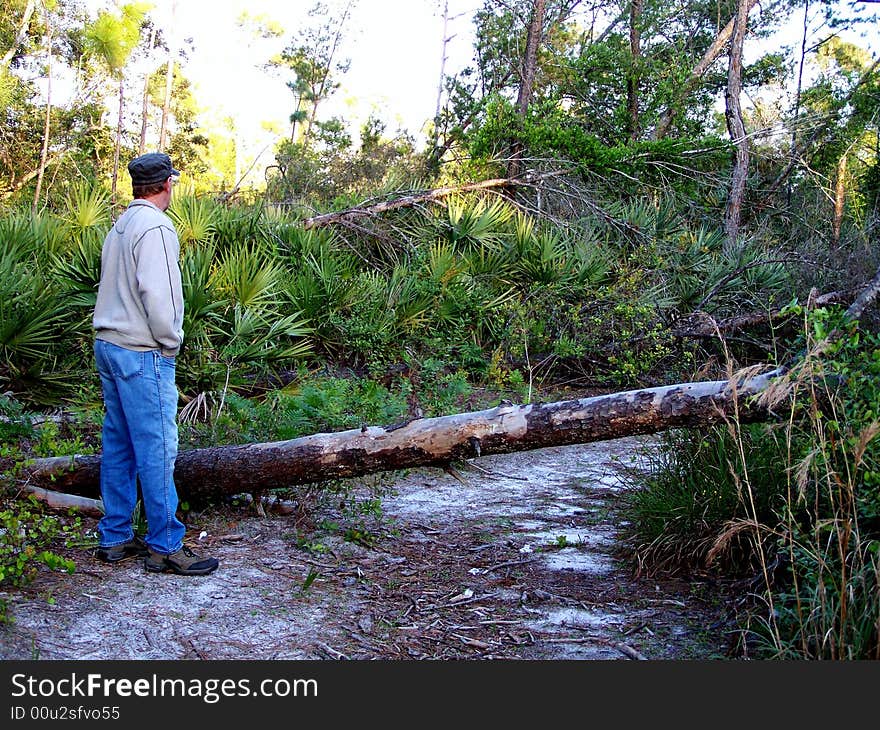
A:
[(409, 201), (64, 502), (702, 325)]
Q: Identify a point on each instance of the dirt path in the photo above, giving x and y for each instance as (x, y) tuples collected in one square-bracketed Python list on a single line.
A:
[(516, 563)]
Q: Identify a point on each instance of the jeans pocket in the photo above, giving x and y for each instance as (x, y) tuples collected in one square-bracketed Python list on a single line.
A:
[(125, 364)]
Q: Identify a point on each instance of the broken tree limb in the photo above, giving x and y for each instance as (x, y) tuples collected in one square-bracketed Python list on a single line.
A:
[(865, 298), (702, 325), (64, 502), (682, 90), (407, 201), (433, 442)]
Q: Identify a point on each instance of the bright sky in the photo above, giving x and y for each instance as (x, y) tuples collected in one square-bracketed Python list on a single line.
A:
[(395, 48)]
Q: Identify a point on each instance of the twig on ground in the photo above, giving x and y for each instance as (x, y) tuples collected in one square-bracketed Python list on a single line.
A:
[(490, 472), (331, 651), (508, 564), (473, 599)]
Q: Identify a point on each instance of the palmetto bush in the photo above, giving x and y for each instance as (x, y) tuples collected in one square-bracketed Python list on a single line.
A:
[(694, 266), (50, 270), (473, 222), (554, 255), (40, 234), (237, 321), (236, 223), (195, 217), (702, 271), (34, 324), (320, 284), (77, 265)]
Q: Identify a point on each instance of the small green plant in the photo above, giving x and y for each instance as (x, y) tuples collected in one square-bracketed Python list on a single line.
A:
[(52, 440), (310, 578), (26, 534), (15, 423), (316, 547)]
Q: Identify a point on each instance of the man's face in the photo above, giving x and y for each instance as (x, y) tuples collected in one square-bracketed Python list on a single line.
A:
[(166, 195)]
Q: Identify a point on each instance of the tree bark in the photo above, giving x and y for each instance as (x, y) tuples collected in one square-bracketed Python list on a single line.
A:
[(709, 56), (865, 298), (839, 201), (431, 442), (632, 78), (44, 152), (118, 146), (792, 149), (22, 33), (63, 502), (444, 56), (169, 81), (735, 125), (142, 144), (527, 82)]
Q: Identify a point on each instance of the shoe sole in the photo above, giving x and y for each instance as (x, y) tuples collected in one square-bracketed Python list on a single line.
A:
[(165, 567), (127, 556)]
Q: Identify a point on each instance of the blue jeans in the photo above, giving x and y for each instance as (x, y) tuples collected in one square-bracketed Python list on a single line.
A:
[(139, 441)]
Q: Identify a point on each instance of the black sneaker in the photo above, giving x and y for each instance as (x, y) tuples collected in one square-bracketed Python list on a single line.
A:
[(134, 548), (183, 562)]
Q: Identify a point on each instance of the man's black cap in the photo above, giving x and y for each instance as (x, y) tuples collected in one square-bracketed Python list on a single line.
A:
[(151, 168)]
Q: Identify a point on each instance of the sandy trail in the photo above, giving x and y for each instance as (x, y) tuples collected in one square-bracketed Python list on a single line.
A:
[(517, 563)]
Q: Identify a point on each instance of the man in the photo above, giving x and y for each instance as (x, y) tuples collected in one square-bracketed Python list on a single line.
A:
[(138, 322)]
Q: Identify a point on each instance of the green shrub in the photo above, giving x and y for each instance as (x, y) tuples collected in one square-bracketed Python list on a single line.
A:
[(798, 503), (26, 535), (692, 491)]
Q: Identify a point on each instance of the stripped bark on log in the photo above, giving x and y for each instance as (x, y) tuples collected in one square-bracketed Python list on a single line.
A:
[(432, 442)]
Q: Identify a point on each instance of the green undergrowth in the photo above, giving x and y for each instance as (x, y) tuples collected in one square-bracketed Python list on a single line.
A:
[(792, 507), (30, 537), (327, 403)]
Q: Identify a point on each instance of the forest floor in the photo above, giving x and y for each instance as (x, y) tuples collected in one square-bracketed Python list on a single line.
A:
[(518, 559)]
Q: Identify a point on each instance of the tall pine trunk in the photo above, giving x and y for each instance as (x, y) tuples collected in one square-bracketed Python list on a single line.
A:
[(44, 152), (22, 33), (714, 50), (145, 98), (443, 58), (632, 78), (118, 145), (839, 201), (529, 71), (792, 150), (169, 82), (735, 126)]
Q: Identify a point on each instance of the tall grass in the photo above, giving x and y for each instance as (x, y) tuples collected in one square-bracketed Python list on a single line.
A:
[(796, 504)]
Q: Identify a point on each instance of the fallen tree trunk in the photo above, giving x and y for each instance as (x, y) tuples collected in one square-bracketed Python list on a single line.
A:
[(432, 442), (63, 502)]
